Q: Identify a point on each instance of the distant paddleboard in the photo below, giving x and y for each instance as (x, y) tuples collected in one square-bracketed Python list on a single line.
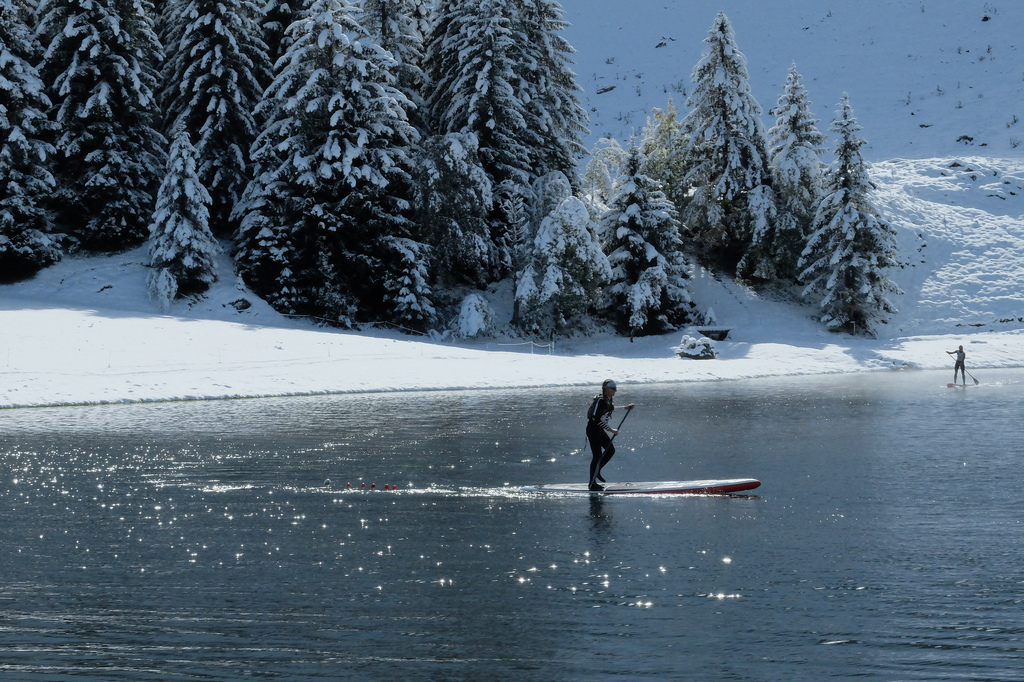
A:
[(713, 487), (956, 385)]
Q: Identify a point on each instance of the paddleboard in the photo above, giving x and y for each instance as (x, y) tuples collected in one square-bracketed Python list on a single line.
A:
[(956, 385), (711, 487)]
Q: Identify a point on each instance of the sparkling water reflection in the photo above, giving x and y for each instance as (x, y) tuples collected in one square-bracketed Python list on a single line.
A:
[(221, 540)]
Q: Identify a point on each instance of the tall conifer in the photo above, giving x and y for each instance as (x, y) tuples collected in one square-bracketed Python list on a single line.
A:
[(100, 68), (25, 178), (732, 203), (851, 247)]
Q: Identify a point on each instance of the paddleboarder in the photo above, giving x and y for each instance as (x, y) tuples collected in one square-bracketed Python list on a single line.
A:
[(598, 429), (959, 366)]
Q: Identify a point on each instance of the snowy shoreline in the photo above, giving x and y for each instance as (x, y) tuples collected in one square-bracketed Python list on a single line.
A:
[(118, 357)]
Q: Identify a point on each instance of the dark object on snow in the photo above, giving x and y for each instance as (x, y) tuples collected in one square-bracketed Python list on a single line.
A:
[(716, 334)]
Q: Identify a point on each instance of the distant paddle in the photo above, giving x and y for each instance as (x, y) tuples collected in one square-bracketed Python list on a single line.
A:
[(972, 376)]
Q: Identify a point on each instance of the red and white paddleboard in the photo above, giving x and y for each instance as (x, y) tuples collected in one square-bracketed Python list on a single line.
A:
[(711, 487)]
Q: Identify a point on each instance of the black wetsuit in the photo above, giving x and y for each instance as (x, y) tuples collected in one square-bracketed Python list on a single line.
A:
[(597, 433)]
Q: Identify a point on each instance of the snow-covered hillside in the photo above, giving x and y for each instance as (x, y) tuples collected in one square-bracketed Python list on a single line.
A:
[(936, 84), (926, 78)]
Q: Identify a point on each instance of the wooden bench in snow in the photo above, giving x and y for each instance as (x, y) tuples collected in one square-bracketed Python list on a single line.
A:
[(716, 334)]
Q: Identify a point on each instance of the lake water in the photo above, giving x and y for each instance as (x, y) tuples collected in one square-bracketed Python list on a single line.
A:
[(203, 541)]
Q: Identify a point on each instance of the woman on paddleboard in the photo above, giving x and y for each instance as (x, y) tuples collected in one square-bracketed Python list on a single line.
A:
[(959, 366), (598, 429)]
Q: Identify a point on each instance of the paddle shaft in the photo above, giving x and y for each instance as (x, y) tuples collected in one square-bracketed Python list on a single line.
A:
[(628, 410)]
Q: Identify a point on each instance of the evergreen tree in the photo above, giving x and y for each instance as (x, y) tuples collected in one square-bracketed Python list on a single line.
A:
[(277, 16), (182, 249), (100, 66), (846, 256), (320, 217), (795, 146), (606, 158), (475, 90), (454, 197), (731, 203), (553, 108), (25, 180), (472, 62), (398, 25), (407, 289), (647, 292), (215, 77), (566, 273), (663, 149)]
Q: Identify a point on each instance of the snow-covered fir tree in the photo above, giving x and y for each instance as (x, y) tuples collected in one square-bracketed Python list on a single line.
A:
[(472, 61), (851, 246), (100, 68), (606, 158), (475, 86), (398, 26), (795, 146), (181, 247), (329, 196), (553, 108), (646, 293), (663, 147), (566, 272), (277, 16), (454, 197), (214, 77), (408, 294), (25, 179), (731, 206)]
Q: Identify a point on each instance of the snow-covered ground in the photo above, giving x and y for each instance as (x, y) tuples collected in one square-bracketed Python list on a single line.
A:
[(921, 75)]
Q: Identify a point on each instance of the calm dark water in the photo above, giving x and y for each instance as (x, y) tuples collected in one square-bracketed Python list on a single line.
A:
[(202, 541)]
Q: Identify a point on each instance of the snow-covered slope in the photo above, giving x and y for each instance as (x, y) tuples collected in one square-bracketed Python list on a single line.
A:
[(937, 85), (926, 78)]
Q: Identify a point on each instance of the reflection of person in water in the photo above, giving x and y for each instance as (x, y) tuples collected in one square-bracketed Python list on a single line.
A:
[(598, 429), (959, 366)]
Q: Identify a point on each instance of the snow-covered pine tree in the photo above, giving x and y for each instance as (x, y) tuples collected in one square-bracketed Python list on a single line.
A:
[(181, 247), (647, 292), (553, 108), (277, 16), (214, 78), (476, 87), (472, 62), (397, 25), (100, 66), (846, 256), (606, 158), (454, 197), (408, 293), (25, 179), (329, 195), (795, 145), (729, 175), (566, 273), (663, 147)]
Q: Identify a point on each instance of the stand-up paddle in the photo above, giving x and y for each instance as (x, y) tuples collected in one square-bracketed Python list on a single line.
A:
[(628, 410), (959, 356)]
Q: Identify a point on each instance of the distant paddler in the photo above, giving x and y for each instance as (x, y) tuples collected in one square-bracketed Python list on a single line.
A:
[(959, 366)]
